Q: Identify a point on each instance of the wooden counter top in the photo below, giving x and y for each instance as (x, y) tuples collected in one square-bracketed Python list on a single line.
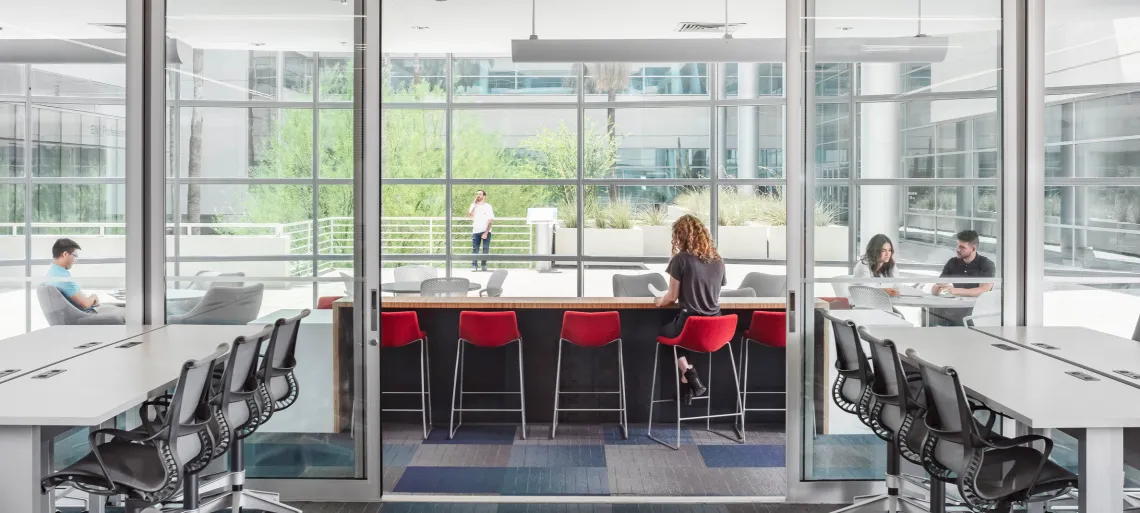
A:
[(569, 303)]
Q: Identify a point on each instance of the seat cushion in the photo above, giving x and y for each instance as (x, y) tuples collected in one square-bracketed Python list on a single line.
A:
[(1008, 473), (129, 465)]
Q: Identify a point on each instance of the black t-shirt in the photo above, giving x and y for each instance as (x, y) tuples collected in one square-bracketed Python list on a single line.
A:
[(700, 283), (980, 266)]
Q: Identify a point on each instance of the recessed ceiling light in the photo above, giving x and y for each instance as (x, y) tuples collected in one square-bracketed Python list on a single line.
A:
[(419, 27), (844, 28), (257, 44)]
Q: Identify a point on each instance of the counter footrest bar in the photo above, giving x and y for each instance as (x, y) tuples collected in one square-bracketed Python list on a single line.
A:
[(586, 409), (484, 409), (703, 417), (565, 392), (491, 393), (386, 410), (702, 398)]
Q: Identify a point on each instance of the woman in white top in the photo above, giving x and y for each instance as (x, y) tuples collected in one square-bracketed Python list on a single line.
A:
[(878, 262)]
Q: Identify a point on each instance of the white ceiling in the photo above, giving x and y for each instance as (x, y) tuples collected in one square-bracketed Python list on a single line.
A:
[(487, 26)]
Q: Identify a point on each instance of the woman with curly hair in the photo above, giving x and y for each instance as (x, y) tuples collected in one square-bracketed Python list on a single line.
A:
[(696, 274)]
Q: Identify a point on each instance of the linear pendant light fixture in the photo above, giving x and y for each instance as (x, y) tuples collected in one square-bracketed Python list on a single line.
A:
[(920, 48)]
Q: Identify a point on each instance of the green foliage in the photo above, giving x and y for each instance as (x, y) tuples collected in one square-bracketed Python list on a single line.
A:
[(736, 208), (617, 215), (652, 215)]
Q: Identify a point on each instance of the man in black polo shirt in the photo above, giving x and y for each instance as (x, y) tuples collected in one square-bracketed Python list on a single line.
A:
[(968, 263)]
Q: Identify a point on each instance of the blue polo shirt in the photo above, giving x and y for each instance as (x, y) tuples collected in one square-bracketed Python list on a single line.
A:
[(61, 279)]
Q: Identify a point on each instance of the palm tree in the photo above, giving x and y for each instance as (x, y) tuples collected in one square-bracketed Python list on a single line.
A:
[(610, 78), (194, 168)]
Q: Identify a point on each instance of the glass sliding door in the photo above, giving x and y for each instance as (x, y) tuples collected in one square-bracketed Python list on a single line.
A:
[(264, 203), (900, 168)]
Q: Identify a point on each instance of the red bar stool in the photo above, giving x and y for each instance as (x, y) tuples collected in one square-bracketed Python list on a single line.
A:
[(591, 329), (398, 329), (485, 329), (767, 329), (699, 335)]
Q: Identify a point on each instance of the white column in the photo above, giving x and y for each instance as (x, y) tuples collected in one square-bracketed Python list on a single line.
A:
[(879, 153), (746, 133)]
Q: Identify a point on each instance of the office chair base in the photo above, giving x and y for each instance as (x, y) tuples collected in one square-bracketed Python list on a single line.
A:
[(244, 500), (885, 504)]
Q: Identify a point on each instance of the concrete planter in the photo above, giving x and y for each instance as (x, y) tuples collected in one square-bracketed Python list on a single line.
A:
[(657, 241), (831, 243), (743, 241), (778, 242), (604, 242)]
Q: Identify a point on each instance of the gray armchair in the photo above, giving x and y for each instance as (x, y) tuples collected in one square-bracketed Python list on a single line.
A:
[(58, 310), (765, 285), (741, 292), (224, 305), (495, 284), (638, 285), (202, 280)]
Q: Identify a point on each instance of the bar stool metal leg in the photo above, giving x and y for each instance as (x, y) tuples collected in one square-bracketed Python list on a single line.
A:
[(736, 380), (653, 391), (708, 396), (744, 388), (423, 393), (677, 399), (427, 372), (557, 389), (522, 390), (621, 389), (456, 380)]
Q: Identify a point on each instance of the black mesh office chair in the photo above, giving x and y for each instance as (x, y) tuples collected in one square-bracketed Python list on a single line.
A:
[(254, 393), (992, 472), (235, 410), (900, 408), (150, 468), (852, 388)]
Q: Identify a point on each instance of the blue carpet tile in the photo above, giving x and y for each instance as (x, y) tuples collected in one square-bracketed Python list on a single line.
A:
[(555, 481), (744, 456), (478, 480), (475, 434), (558, 456)]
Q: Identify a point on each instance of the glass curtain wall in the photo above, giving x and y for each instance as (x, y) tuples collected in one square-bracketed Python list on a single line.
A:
[(1092, 169), (902, 164), (261, 147), (62, 174)]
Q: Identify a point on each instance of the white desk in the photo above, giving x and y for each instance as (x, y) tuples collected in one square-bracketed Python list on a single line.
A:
[(1112, 356), (91, 389), (927, 301), (869, 317), (1035, 390), (25, 353)]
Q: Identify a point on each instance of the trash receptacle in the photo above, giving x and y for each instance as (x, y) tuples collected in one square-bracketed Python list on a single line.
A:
[(543, 221)]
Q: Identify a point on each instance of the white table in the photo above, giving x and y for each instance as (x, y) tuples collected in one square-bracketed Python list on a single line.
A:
[(927, 301), (869, 317), (29, 352), (91, 389), (1114, 357), (1036, 390)]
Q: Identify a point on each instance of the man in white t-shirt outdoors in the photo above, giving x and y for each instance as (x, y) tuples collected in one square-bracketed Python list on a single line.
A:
[(482, 217)]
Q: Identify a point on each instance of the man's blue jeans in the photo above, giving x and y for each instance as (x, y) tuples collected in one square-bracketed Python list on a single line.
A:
[(476, 238)]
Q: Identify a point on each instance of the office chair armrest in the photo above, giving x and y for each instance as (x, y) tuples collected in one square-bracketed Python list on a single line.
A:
[(483, 293), (159, 405)]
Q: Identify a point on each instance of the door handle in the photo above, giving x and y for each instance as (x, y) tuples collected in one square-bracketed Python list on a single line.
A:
[(374, 296), (791, 311)]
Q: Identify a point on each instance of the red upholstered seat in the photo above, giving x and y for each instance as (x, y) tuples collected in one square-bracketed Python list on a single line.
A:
[(591, 329), (837, 303), (326, 302), (398, 329), (768, 328), (704, 334), (488, 329)]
